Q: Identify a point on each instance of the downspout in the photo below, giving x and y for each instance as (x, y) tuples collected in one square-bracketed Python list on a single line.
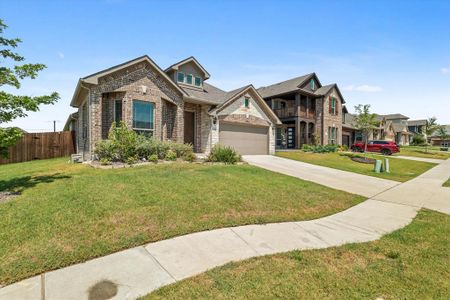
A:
[(322, 121)]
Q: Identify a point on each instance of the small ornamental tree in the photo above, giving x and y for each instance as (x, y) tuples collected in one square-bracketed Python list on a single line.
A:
[(14, 106), (430, 127), (365, 121)]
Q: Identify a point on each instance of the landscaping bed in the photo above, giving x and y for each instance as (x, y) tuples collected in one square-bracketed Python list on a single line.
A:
[(411, 263), (400, 169), (69, 213)]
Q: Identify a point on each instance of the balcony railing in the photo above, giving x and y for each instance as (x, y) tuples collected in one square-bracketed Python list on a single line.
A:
[(285, 112), (293, 112)]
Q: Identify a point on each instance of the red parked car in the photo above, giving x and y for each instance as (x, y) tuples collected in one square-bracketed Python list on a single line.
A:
[(383, 147)]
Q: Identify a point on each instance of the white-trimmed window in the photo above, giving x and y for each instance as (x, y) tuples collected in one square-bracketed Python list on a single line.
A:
[(246, 102), (312, 84), (333, 109), (332, 135), (180, 77), (143, 117), (189, 78), (117, 111), (198, 81)]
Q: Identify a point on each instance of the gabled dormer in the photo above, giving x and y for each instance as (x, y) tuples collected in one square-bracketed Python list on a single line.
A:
[(311, 84), (188, 73)]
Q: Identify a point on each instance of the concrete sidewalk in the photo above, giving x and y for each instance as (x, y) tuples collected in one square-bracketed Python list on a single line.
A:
[(354, 183), (141, 270), (423, 159)]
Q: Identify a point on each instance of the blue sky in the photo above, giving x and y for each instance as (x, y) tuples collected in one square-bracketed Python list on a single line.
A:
[(394, 55)]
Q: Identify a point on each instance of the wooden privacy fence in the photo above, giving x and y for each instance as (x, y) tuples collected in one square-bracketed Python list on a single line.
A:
[(41, 145)]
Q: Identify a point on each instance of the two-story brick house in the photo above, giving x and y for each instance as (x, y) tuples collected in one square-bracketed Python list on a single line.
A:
[(310, 113)]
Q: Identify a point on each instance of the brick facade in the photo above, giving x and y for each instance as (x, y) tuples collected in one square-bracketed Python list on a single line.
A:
[(137, 82), (332, 120)]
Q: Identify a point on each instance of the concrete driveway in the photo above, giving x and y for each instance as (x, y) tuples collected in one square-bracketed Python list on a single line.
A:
[(363, 185)]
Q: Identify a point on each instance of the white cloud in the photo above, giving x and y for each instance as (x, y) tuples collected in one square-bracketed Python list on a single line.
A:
[(445, 71), (364, 88), (61, 55)]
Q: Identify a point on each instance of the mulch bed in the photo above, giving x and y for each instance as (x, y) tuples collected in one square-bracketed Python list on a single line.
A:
[(8, 196), (363, 160)]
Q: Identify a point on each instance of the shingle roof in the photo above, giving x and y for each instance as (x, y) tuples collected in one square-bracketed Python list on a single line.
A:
[(284, 86), (394, 116), (325, 89), (417, 122), (349, 121), (209, 93)]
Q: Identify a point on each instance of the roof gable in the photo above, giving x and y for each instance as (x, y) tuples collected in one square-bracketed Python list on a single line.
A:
[(235, 94), (192, 60), (325, 90), (93, 78), (286, 86)]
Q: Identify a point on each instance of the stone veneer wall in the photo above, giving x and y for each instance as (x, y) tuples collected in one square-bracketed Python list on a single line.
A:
[(330, 120), (131, 82)]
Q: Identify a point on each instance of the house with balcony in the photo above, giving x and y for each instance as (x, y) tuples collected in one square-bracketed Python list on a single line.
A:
[(310, 113)]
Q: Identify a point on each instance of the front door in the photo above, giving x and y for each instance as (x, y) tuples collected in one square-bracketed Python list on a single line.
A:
[(291, 137), (189, 123)]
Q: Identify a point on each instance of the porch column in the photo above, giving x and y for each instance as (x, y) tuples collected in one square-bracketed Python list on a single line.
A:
[(297, 104), (297, 133), (308, 107), (307, 133), (96, 119)]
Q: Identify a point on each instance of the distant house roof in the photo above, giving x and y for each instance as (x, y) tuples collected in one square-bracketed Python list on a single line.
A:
[(447, 129), (184, 61), (284, 87), (72, 117), (393, 116), (417, 122)]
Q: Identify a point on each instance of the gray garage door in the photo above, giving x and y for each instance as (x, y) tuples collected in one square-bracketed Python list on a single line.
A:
[(244, 139)]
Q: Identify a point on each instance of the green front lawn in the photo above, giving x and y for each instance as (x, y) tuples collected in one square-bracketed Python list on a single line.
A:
[(447, 183), (422, 152), (412, 263), (401, 169), (71, 213)]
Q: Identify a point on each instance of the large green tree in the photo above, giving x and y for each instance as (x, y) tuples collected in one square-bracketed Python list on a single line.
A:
[(365, 121), (12, 70)]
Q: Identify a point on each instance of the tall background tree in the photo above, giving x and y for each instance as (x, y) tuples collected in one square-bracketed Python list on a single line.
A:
[(365, 121), (12, 70)]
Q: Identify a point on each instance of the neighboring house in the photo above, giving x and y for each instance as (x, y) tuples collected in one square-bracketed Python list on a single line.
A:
[(417, 126), (176, 104), (350, 134), (71, 122), (393, 127), (438, 141), (310, 112)]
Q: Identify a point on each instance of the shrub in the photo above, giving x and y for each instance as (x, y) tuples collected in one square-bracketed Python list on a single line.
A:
[(189, 156), (223, 154), (105, 150), (145, 146), (131, 160), (123, 140), (343, 148), (320, 149), (181, 149), (105, 161), (153, 158), (171, 155), (418, 140)]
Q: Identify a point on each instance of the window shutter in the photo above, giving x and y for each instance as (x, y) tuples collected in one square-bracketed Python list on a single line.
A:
[(329, 104)]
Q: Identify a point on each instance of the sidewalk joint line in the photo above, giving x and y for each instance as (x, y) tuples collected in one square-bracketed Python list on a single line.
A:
[(42, 286), (157, 261), (242, 239)]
